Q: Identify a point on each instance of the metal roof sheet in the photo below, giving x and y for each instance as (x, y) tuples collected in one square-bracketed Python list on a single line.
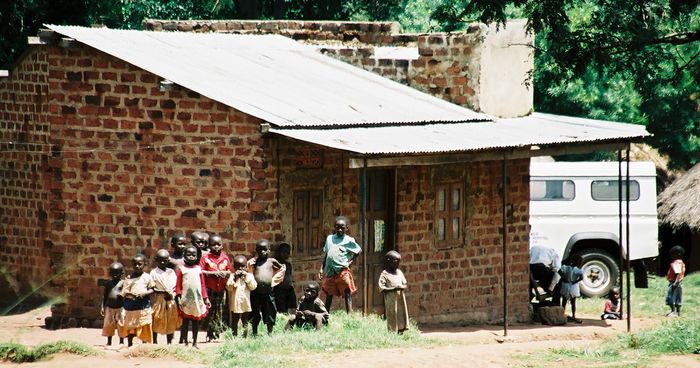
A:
[(272, 77), (534, 130)]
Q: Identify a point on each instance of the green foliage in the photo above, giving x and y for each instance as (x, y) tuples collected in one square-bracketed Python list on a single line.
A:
[(344, 332), (18, 353)]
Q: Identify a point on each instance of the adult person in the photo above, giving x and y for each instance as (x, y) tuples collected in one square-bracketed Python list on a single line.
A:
[(544, 272)]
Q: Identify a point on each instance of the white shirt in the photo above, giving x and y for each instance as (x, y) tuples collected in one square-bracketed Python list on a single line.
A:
[(546, 256)]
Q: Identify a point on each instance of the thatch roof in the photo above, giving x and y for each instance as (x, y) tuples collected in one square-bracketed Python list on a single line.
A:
[(678, 204)]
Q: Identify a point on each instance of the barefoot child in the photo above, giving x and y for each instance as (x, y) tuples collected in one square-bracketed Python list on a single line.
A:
[(310, 309), (392, 284), (268, 273), (165, 317), (239, 285), (675, 274), (612, 308), (571, 276), (112, 303), (339, 251), (285, 298), (138, 315), (191, 295), (216, 268)]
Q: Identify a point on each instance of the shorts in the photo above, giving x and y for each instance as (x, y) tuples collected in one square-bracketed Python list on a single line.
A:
[(337, 284), (113, 322), (263, 306)]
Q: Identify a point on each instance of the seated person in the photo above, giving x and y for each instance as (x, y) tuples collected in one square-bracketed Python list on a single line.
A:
[(310, 310)]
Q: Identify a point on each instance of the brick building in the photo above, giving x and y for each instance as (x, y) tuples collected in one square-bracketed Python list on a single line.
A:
[(114, 140)]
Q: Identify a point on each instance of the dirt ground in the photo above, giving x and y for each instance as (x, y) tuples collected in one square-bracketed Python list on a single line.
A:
[(476, 346)]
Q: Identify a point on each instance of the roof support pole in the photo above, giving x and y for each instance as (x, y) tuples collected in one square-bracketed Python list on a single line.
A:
[(505, 242), (621, 253), (627, 241), (363, 221)]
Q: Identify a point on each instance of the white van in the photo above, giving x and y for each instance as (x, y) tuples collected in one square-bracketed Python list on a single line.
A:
[(574, 209)]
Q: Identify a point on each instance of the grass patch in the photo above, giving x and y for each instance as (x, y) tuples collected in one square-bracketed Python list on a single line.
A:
[(345, 332), (178, 352), (672, 336), (18, 353)]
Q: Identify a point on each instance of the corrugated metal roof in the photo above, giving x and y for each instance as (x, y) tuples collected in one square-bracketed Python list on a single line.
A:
[(534, 130), (272, 77)]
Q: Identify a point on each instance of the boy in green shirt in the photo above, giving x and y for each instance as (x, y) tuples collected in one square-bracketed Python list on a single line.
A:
[(339, 251)]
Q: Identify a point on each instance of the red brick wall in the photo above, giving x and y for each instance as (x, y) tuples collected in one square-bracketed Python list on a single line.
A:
[(24, 153)]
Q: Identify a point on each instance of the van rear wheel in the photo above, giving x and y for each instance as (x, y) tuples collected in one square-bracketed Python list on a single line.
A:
[(600, 272)]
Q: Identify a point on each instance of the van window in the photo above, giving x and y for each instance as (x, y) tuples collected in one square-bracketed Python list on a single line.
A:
[(552, 190), (607, 190)]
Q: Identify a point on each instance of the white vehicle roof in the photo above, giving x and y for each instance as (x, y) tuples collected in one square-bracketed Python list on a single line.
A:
[(587, 169)]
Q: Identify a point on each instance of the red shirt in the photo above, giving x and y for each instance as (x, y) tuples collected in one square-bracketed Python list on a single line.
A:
[(210, 262)]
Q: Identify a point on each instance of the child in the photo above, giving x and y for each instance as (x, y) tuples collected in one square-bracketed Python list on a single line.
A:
[(612, 309), (191, 295), (339, 252), (310, 309), (676, 272), (165, 317), (239, 285), (112, 303), (268, 273), (200, 239), (571, 275), (285, 298), (138, 315), (392, 284), (216, 268), (178, 242)]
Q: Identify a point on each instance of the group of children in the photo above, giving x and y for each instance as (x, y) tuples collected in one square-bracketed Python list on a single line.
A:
[(571, 275), (198, 282)]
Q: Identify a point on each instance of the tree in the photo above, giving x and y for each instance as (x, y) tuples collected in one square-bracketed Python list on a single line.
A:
[(637, 62)]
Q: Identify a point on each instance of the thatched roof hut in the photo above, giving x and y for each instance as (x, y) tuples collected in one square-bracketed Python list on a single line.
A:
[(678, 203)]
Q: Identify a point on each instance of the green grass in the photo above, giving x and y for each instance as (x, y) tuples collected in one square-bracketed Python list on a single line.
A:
[(672, 336), (18, 353), (344, 332)]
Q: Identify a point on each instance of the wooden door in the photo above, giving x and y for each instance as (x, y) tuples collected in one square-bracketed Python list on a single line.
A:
[(307, 236), (380, 230)]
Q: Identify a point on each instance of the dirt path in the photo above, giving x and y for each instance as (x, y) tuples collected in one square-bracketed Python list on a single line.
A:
[(481, 346)]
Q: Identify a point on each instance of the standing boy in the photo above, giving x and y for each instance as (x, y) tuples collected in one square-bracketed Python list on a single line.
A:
[(268, 273), (676, 272), (112, 303), (216, 268), (339, 251), (285, 298), (200, 240), (165, 315), (138, 315), (178, 243)]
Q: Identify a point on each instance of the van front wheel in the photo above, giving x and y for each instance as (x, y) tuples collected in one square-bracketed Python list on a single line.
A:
[(600, 272)]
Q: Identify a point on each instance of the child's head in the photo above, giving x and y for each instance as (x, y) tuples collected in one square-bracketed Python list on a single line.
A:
[(138, 262), (341, 225), (240, 262), (283, 251), (178, 242), (216, 244), (311, 290), (576, 260), (200, 239), (162, 258), (262, 248), (392, 260), (190, 255), (677, 252), (116, 271), (614, 293)]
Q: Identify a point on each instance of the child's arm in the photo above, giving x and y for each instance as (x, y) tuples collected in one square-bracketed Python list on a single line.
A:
[(178, 286), (250, 282), (104, 301), (279, 270), (205, 296), (383, 284)]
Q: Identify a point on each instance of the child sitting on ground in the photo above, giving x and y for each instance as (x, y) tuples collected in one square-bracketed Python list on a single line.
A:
[(571, 276), (138, 315), (285, 298), (310, 309), (392, 284), (112, 303), (239, 285), (675, 274), (165, 317), (613, 305), (191, 295), (268, 273)]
